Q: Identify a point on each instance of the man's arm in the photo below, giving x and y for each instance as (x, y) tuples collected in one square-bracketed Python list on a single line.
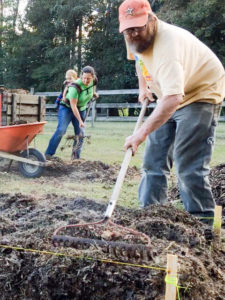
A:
[(164, 109)]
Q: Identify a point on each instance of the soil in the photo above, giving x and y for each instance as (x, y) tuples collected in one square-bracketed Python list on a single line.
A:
[(217, 181), (83, 170), (28, 223)]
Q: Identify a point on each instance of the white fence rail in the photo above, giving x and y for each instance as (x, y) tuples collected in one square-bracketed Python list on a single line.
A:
[(101, 111)]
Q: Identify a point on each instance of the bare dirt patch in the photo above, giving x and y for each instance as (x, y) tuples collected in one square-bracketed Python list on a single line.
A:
[(84, 170), (29, 223), (78, 171)]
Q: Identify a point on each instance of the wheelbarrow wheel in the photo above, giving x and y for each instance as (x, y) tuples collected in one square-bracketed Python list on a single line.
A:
[(29, 170)]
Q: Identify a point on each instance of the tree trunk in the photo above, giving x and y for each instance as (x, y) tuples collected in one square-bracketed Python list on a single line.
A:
[(1, 36), (1, 19), (79, 49), (15, 14)]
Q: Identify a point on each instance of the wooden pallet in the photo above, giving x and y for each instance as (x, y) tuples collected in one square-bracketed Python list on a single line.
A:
[(18, 108)]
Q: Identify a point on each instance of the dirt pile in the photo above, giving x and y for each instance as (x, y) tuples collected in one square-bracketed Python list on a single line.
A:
[(84, 170), (217, 181), (29, 223), (77, 171), (35, 270)]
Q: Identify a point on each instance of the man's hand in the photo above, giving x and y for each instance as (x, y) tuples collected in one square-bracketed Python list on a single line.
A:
[(145, 94), (133, 141), (164, 109)]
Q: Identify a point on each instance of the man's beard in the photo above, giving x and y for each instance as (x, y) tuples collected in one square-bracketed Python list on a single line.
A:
[(140, 45)]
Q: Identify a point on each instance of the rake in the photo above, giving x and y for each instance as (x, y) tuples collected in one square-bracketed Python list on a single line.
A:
[(100, 234), (79, 139), (81, 136)]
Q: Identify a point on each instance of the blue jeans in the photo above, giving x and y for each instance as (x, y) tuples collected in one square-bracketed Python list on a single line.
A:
[(65, 116), (187, 139)]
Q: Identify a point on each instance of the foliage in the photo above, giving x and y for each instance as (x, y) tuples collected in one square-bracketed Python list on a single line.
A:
[(107, 44), (55, 35), (205, 19)]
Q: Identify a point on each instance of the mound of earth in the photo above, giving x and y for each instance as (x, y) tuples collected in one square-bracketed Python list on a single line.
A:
[(29, 223), (85, 170), (217, 182), (79, 170)]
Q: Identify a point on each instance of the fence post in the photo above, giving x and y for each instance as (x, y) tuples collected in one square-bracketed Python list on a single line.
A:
[(93, 113), (13, 112), (32, 91), (171, 282)]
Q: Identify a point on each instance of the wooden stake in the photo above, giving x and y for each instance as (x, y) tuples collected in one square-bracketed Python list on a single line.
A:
[(171, 284), (217, 220)]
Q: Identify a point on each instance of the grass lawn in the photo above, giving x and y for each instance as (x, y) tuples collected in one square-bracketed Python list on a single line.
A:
[(106, 145), (107, 139)]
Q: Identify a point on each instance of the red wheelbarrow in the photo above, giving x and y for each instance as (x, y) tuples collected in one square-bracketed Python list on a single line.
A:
[(14, 142)]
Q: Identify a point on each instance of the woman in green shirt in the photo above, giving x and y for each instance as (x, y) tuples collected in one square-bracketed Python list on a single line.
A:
[(73, 109)]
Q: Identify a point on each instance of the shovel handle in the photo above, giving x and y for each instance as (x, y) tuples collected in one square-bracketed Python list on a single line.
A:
[(123, 168)]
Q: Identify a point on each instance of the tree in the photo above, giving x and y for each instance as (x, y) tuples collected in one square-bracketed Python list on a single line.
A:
[(56, 35), (205, 19), (105, 48)]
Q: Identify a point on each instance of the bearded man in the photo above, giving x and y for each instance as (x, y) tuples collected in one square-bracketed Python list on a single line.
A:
[(189, 82)]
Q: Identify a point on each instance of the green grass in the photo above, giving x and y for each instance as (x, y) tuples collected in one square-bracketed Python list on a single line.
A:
[(218, 156), (106, 145), (107, 140)]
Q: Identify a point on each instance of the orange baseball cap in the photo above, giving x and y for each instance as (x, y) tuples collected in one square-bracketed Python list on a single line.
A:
[(133, 13)]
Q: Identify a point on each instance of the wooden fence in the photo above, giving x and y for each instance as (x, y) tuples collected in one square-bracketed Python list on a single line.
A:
[(103, 111)]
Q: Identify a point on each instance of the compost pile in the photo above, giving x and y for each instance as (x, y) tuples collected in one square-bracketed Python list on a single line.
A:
[(28, 223), (217, 181), (77, 171), (84, 170)]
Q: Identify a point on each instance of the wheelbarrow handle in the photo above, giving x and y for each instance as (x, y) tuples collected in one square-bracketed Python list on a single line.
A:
[(124, 167)]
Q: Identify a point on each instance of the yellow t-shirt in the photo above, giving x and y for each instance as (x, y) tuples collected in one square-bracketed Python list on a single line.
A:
[(179, 63)]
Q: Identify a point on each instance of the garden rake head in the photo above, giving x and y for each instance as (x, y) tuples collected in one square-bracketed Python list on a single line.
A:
[(110, 237), (78, 142), (69, 140)]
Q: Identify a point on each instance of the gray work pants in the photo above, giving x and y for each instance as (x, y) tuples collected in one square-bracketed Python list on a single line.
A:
[(187, 139)]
